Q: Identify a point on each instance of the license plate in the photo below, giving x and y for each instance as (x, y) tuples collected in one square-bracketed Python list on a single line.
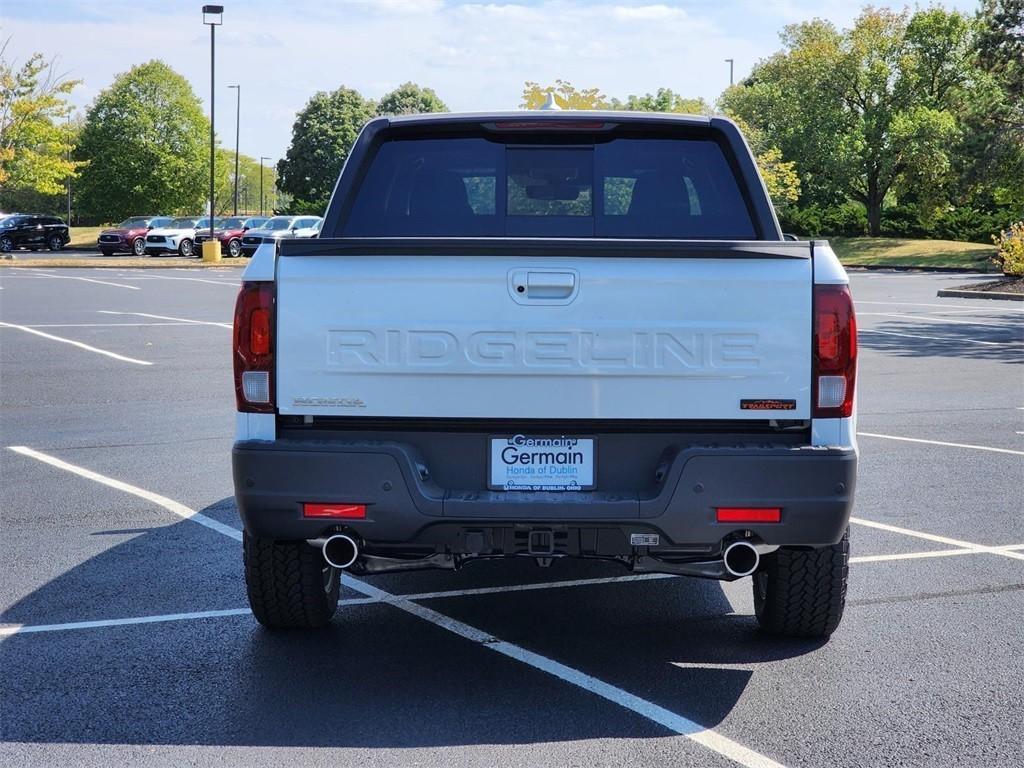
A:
[(528, 463)]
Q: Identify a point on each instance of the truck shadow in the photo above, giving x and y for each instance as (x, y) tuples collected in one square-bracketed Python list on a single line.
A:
[(377, 677), (969, 341)]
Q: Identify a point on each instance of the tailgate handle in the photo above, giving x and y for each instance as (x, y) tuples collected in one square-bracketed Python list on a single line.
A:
[(550, 285)]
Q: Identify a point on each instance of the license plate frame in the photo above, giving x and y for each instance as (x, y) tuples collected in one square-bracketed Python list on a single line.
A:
[(501, 447)]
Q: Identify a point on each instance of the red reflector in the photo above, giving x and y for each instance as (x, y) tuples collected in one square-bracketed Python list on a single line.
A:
[(334, 510), (259, 331), (748, 514)]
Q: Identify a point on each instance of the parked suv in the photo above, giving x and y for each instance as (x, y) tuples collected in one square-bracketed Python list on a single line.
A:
[(130, 235), (33, 232), (547, 335), (229, 233), (177, 236), (281, 228)]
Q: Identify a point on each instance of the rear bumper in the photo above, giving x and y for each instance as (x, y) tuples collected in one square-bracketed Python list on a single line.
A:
[(407, 509)]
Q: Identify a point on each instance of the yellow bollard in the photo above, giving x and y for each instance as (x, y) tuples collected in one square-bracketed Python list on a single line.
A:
[(211, 251)]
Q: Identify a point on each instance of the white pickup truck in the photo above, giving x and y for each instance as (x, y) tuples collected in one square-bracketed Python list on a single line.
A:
[(547, 335)]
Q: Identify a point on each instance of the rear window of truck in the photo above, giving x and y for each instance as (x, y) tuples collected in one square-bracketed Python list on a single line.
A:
[(660, 188)]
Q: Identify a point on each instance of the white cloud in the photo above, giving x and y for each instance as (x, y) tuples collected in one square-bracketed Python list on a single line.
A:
[(475, 55)]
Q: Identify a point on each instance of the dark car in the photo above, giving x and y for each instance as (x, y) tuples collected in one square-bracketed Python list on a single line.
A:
[(26, 230), (130, 235), (280, 228), (229, 233)]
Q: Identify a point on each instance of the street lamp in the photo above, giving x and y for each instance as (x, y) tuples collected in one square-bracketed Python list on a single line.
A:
[(212, 17), (262, 158), (238, 118), (730, 62)]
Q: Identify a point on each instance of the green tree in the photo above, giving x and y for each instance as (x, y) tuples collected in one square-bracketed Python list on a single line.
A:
[(322, 136), (567, 96), (410, 99), (665, 100), (146, 141), (867, 111), (994, 135), (36, 135)]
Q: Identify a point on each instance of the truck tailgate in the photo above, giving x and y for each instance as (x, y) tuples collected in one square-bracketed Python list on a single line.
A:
[(694, 335)]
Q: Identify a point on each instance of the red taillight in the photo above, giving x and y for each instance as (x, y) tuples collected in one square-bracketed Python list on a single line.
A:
[(835, 351), (347, 511), (259, 331), (748, 514), (254, 348)]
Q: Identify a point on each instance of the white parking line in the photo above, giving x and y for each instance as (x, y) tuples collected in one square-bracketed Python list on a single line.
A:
[(646, 709), (1009, 324), (162, 501), (958, 307), (91, 280), (997, 550), (108, 325), (543, 585), (941, 442), (24, 629), (78, 344), (229, 283), (950, 339), (165, 317)]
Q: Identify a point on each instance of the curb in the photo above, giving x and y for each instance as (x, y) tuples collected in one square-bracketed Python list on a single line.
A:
[(900, 268), (957, 294)]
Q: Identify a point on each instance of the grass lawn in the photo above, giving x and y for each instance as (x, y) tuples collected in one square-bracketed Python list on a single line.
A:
[(84, 236), (899, 252)]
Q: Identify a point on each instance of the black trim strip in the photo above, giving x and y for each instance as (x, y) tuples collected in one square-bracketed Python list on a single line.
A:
[(549, 426), (539, 246)]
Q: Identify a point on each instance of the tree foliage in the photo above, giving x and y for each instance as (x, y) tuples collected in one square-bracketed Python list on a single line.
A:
[(147, 143), (322, 136), (868, 111), (566, 95), (665, 100), (35, 134), (410, 99)]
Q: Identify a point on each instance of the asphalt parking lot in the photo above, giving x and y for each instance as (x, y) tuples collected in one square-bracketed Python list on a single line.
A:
[(125, 638)]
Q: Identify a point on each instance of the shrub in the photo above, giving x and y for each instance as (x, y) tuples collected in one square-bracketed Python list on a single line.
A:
[(848, 219), (904, 221), (1010, 253)]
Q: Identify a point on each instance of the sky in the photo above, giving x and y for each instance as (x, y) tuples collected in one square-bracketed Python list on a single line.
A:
[(476, 55)]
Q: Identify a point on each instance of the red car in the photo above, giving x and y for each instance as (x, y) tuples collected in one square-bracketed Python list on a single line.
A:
[(230, 232), (130, 235)]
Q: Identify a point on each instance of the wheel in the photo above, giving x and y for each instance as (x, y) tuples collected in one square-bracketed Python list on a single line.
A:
[(139, 247), (185, 248), (106, 252), (289, 584), (6, 244), (55, 243), (801, 591), (234, 248)]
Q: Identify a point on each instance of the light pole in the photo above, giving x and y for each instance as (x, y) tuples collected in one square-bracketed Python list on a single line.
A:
[(238, 123), (731, 62), (262, 158), (212, 17), (69, 175)]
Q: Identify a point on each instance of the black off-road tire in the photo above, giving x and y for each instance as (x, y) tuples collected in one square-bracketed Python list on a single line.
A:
[(800, 591), (289, 584)]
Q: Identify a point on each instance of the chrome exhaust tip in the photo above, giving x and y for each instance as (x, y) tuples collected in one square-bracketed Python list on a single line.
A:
[(741, 559), (340, 551)]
